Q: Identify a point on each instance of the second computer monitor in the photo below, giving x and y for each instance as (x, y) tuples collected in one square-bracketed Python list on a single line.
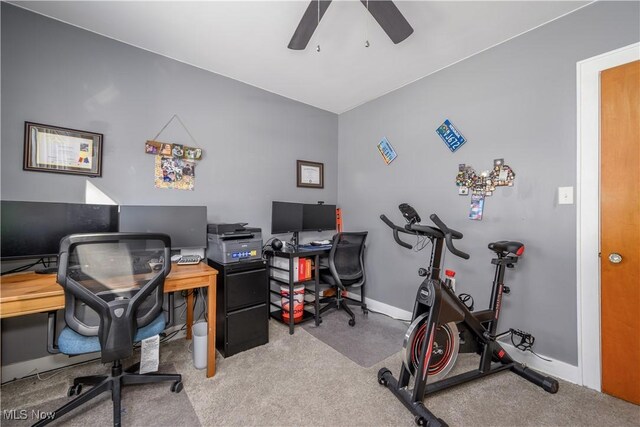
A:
[(286, 217), (318, 217), (186, 225)]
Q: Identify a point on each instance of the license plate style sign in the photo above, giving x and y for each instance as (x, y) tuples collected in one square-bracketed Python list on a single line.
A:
[(450, 135), (387, 151)]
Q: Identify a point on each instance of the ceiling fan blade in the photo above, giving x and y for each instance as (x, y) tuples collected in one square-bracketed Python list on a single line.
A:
[(390, 19), (308, 24)]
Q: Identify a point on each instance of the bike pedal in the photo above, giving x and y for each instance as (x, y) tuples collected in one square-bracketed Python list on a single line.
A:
[(522, 334)]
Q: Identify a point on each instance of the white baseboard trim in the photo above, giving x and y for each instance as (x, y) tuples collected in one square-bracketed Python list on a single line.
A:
[(555, 368), (389, 310), (19, 370)]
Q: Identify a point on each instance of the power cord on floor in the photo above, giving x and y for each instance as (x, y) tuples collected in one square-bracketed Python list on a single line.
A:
[(526, 342), (34, 372), (389, 316)]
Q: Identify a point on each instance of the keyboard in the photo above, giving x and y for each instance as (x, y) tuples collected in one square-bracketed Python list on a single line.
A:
[(312, 247), (189, 259)]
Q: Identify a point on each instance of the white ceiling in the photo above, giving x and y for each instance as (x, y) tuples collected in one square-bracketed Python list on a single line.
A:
[(247, 40)]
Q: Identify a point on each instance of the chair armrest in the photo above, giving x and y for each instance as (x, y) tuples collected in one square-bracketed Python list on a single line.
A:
[(170, 309)]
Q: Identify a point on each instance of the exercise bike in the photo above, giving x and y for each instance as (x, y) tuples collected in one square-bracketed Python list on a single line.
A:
[(444, 325)]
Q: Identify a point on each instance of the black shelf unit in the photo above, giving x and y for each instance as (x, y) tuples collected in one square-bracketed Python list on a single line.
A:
[(242, 306), (277, 314), (290, 255)]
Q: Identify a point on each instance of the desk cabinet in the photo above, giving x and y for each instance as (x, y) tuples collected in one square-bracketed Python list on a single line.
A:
[(242, 306)]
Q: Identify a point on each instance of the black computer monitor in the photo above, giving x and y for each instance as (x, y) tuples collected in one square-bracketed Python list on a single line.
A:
[(286, 217), (319, 217), (34, 229), (186, 225)]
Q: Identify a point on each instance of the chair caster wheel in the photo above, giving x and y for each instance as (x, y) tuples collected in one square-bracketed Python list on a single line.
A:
[(365, 311), (352, 322), (381, 374), (420, 421), (74, 390), (177, 387)]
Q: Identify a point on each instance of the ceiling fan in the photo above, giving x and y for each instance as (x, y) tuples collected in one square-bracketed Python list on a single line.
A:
[(384, 11)]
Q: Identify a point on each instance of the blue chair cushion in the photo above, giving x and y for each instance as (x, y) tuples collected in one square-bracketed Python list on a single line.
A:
[(70, 342)]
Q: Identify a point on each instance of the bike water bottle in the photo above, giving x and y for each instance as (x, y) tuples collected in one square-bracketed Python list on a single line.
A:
[(450, 279)]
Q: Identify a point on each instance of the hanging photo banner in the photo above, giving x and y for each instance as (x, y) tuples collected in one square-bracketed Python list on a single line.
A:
[(175, 173), (174, 150), (450, 135), (387, 151), (174, 163)]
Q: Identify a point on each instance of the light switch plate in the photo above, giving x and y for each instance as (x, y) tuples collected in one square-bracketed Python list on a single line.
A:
[(565, 195)]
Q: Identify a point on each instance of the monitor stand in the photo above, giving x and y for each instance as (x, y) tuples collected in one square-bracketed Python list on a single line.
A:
[(295, 239)]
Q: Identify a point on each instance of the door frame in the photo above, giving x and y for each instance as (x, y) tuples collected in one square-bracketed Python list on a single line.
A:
[(588, 207)]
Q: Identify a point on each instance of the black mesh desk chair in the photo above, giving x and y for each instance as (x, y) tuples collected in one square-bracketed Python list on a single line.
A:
[(345, 272), (113, 286)]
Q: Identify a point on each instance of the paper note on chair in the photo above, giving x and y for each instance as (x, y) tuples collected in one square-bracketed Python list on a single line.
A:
[(150, 354)]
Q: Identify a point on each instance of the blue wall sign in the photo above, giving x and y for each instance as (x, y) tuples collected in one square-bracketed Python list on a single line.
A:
[(387, 151), (450, 135)]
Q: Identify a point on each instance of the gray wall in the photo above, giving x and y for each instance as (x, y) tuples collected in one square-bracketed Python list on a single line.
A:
[(516, 101), (57, 74)]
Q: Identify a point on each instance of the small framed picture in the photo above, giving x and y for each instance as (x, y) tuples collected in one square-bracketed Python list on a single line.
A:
[(61, 150), (151, 147), (177, 150), (477, 206), (190, 153), (309, 174)]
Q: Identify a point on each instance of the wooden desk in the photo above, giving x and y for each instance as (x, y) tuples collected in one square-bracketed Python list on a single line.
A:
[(28, 293)]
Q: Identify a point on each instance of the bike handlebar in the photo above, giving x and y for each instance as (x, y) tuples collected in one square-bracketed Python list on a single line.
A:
[(449, 235), (395, 229)]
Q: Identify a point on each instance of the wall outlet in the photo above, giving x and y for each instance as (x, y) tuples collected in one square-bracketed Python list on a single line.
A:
[(565, 195)]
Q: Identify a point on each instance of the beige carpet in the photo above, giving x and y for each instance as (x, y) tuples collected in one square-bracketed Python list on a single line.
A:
[(300, 381), (32, 396)]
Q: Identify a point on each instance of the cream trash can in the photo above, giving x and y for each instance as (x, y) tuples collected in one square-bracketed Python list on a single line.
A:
[(199, 332)]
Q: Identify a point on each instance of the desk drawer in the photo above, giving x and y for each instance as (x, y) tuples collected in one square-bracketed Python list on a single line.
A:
[(246, 329), (246, 288)]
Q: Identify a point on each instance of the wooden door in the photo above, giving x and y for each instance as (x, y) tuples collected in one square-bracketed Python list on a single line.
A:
[(620, 230)]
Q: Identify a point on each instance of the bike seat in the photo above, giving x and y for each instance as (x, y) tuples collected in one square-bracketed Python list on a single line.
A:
[(505, 246)]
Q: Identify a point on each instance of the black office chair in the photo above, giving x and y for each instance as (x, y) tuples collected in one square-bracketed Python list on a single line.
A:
[(113, 286), (345, 272)]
